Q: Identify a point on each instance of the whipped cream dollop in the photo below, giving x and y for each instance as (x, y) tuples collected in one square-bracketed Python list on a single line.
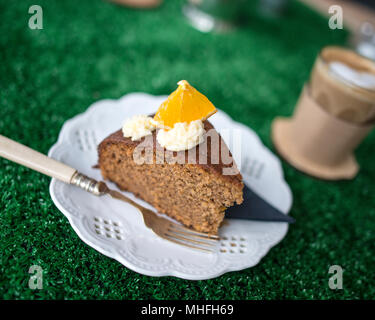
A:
[(138, 126), (182, 136), (362, 79)]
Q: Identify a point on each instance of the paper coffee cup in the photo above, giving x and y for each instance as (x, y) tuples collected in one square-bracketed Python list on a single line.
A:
[(318, 143), (343, 95)]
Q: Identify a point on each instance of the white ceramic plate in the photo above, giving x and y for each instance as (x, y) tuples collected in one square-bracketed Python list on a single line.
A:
[(116, 229)]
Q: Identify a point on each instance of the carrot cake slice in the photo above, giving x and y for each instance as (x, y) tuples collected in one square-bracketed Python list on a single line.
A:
[(176, 161)]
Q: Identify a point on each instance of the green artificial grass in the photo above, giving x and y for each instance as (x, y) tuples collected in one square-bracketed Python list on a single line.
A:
[(91, 50)]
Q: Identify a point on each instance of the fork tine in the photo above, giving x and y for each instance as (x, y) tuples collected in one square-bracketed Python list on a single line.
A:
[(194, 235), (179, 237), (169, 238), (211, 236)]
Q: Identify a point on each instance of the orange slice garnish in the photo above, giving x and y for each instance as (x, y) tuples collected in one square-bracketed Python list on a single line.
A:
[(185, 104)]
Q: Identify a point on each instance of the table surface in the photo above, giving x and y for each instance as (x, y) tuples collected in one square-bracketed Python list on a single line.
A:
[(91, 50)]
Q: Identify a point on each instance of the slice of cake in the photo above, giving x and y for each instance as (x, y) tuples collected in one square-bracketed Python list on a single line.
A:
[(183, 169)]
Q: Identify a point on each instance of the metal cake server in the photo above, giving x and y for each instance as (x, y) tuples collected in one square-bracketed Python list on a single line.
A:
[(167, 229)]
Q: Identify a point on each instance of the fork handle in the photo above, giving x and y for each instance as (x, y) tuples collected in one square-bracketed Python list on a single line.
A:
[(35, 160)]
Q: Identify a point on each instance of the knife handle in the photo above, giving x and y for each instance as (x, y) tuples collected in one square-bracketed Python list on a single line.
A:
[(35, 160)]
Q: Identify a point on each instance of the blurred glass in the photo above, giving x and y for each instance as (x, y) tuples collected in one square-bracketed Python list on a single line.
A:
[(213, 15), (364, 41)]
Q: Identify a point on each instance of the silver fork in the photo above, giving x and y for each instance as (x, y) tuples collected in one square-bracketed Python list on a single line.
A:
[(165, 228)]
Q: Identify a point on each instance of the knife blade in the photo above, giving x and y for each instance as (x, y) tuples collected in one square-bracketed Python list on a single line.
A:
[(255, 207)]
